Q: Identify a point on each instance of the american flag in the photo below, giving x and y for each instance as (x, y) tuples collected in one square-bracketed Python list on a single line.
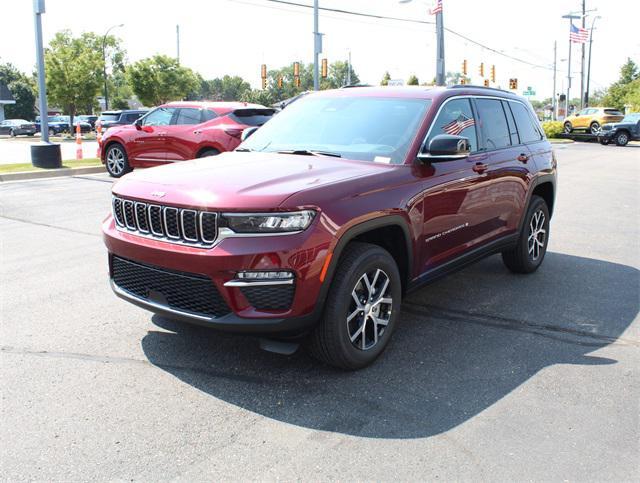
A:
[(437, 7), (578, 34), (457, 126)]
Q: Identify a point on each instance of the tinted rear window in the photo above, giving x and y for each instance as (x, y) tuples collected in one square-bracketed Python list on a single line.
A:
[(494, 123), (109, 117), (612, 112), (252, 117), (527, 130)]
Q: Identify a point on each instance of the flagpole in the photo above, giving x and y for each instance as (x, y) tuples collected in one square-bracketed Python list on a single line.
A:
[(569, 73), (440, 73)]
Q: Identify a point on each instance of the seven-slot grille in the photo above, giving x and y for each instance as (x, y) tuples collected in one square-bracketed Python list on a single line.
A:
[(175, 225)]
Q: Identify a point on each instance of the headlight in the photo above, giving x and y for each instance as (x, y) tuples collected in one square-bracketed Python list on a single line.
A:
[(269, 222)]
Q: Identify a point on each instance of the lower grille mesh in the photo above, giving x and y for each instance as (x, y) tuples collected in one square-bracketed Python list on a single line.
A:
[(180, 291), (275, 297)]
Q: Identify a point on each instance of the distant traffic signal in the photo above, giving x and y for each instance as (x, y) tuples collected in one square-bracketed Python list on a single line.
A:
[(325, 68), (513, 84), (486, 82), (264, 82), (481, 70), (464, 66), (296, 81), (463, 81), (280, 82), (493, 74), (263, 71), (296, 69)]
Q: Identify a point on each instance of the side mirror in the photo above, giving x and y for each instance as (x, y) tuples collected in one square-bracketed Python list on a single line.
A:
[(445, 147), (138, 124), (248, 132)]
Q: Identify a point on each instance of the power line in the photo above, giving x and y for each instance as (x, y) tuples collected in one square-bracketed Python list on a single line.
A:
[(415, 21)]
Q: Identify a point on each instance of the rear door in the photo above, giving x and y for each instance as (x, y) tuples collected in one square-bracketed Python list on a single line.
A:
[(531, 137), (503, 194), (148, 143), (183, 134)]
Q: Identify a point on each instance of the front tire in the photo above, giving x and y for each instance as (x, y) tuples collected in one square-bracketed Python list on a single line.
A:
[(622, 138), (594, 128), (361, 309), (207, 153), (531, 247), (116, 160), (12, 133), (568, 127)]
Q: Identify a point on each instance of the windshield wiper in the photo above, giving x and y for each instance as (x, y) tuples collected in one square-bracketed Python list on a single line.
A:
[(310, 152)]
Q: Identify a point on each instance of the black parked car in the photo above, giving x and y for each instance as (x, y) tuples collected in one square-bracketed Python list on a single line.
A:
[(60, 124), (621, 132), (120, 118), (90, 118), (16, 127)]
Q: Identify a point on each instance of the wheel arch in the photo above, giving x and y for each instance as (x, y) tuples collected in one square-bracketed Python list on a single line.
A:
[(110, 143), (208, 147)]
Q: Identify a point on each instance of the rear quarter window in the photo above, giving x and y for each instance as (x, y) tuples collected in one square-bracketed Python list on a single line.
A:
[(252, 117), (528, 131)]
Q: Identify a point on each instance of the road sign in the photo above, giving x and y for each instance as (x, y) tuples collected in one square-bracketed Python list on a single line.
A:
[(529, 92)]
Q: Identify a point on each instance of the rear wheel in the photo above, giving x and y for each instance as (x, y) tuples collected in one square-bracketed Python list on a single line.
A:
[(594, 128), (361, 309), (568, 127), (622, 138), (51, 132), (208, 152), (116, 160), (529, 252), (604, 142), (12, 133)]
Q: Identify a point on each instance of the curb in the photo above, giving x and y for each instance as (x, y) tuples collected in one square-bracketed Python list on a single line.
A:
[(51, 173)]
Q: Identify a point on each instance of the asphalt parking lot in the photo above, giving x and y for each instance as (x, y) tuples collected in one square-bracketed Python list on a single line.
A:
[(490, 376)]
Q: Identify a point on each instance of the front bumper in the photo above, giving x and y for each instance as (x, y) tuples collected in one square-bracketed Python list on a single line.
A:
[(303, 254)]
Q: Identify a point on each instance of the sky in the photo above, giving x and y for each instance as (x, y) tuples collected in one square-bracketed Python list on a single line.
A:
[(235, 37)]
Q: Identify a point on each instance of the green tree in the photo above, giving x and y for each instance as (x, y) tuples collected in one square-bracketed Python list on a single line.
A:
[(632, 98), (73, 71), (385, 79), (23, 91), (619, 90), (413, 81), (160, 79), (227, 88), (258, 96), (338, 76)]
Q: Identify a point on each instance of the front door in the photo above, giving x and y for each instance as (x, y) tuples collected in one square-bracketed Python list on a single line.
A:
[(183, 135), (149, 142)]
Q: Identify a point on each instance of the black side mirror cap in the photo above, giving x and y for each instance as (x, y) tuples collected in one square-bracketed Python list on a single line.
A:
[(445, 147)]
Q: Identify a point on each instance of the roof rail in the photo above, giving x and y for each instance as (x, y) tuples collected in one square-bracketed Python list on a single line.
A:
[(463, 86), (349, 86)]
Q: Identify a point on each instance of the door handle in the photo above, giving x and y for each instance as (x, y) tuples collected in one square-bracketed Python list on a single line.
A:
[(197, 132), (523, 158), (162, 134), (480, 167)]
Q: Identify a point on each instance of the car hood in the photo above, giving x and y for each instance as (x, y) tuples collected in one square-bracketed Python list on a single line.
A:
[(240, 181)]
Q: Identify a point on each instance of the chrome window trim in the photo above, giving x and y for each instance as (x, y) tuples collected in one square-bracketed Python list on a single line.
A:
[(165, 209), (184, 233), (135, 212)]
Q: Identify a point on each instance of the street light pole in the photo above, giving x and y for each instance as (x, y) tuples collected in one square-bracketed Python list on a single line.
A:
[(38, 10), (586, 92), (440, 73), (570, 17), (104, 65), (317, 47), (554, 104)]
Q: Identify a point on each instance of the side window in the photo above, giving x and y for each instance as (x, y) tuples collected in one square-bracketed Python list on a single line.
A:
[(455, 117), (133, 117), (159, 117), (513, 132), (208, 115), (528, 131), (188, 116), (493, 123)]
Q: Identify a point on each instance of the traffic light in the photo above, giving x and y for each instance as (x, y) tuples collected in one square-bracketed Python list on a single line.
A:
[(264, 83), (464, 66), (325, 69), (263, 71), (297, 81), (296, 69), (486, 82), (463, 81), (493, 74), (481, 70), (280, 82), (513, 84)]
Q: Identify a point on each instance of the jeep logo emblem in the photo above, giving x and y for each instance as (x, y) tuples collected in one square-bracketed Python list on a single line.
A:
[(158, 194)]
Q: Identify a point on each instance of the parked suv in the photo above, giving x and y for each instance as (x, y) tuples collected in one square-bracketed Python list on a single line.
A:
[(318, 224), (621, 132), (591, 119), (119, 118), (179, 131)]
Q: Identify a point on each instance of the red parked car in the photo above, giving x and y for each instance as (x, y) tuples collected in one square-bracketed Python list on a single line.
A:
[(179, 131), (318, 224)]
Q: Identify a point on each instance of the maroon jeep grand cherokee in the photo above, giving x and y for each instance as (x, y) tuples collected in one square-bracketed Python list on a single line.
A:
[(315, 227)]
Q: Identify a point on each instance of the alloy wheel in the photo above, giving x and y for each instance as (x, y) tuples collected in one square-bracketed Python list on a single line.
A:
[(115, 160), (537, 235), (369, 309), (595, 128), (622, 138)]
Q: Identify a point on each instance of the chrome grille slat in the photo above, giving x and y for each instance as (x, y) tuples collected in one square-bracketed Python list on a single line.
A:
[(166, 223)]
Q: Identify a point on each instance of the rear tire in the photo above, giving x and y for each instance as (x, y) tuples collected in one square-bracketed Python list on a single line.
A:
[(116, 160), (208, 152), (594, 128), (12, 133), (350, 334), (622, 138), (531, 247), (568, 128)]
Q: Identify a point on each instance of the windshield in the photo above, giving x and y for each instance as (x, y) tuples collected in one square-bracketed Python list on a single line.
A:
[(632, 117), (364, 128)]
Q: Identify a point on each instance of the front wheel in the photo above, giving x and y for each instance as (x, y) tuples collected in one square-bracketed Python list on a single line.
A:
[(622, 138), (531, 247), (116, 160), (361, 309), (594, 128), (568, 128), (208, 152), (12, 133)]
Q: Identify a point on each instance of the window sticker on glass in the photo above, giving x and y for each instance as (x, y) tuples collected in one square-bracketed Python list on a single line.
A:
[(382, 159)]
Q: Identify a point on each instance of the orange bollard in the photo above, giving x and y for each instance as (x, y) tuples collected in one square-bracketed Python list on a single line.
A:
[(98, 137), (78, 142)]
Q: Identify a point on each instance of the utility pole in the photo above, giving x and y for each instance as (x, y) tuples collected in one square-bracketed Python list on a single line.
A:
[(554, 103), (178, 43), (584, 16), (349, 69), (317, 47), (38, 10), (570, 17), (586, 92), (440, 72)]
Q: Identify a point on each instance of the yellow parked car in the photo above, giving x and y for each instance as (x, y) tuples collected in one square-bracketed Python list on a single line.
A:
[(591, 118)]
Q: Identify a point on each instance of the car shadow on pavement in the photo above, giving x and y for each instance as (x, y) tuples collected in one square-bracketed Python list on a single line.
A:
[(463, 344)]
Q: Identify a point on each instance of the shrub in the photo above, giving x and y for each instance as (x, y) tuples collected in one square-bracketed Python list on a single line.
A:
[(552, 128)]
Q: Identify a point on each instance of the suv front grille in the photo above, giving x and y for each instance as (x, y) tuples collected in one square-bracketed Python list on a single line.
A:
[(167, 223), (184, 292)]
